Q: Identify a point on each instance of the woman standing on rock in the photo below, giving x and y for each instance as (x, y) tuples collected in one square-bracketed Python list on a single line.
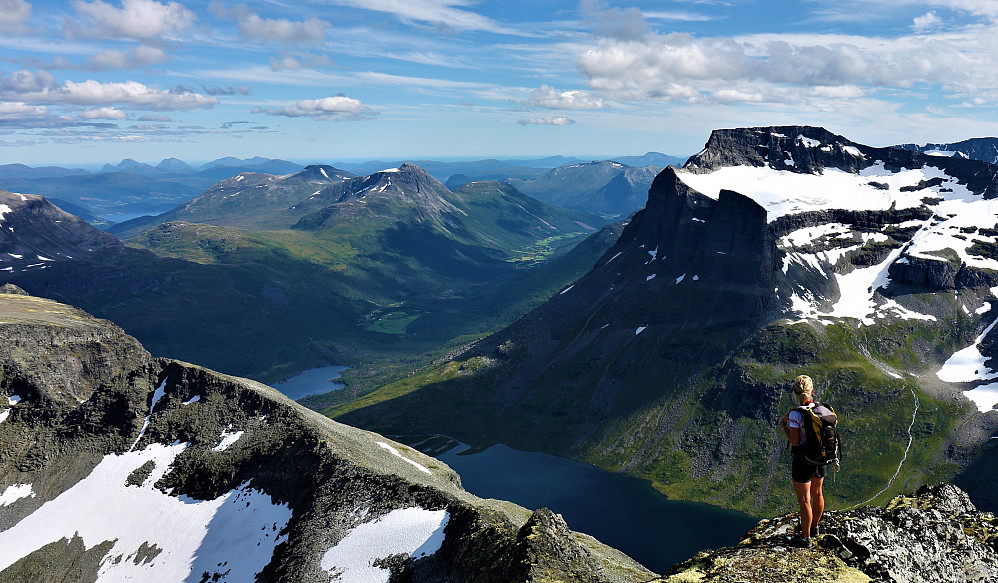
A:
[(807, 478)]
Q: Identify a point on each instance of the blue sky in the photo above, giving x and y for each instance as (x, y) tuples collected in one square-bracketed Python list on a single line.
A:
[(89, 81)]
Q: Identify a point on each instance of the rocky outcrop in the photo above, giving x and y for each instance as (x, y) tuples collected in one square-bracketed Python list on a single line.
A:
[(935, 534), (115, 463)]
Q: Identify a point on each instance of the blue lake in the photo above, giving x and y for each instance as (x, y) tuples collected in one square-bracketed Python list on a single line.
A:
[(314, 381), (623, 512)]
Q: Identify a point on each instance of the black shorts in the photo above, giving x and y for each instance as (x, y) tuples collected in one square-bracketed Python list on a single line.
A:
[(802, 472)]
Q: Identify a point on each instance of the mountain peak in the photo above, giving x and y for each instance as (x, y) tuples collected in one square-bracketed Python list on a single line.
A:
[(802, 149)]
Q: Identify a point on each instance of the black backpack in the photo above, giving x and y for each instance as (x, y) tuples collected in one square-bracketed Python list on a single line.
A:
[(822, 445)]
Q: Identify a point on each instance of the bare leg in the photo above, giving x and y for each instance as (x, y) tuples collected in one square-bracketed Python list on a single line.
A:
[(817, 501), (803, 491)]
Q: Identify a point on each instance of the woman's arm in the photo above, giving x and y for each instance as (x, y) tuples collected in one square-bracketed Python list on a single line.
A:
[(791, 433)]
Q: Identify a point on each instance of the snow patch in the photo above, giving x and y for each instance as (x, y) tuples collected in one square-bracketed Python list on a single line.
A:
[(16, 492), (228, 438), (808, 142), (566, 289), (397, 453), (614, 257), (640, 329), (156, 396), (983, 309), (193, 399), (653, 253), (651, 277), (4, 209), (241, 528), (4, 415), (680, 278), (968, 364), (413, 531), (985, 397)]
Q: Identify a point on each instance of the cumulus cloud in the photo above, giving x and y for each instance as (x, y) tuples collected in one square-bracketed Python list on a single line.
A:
[(140, 56), (338, 108), (254, 27), (622, 24), (41, 88), (13, 15), (550, 98), (926, 21), (680, 67), (103, 113), (138, 19), (557, 120)]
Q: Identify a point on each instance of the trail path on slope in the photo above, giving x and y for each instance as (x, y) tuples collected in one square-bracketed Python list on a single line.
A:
[(903, 458)]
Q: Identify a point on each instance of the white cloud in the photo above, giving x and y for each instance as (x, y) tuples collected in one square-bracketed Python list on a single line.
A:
[(25, 81), (281, 30), (678, 67), (13, 14), (551, 98), (338, 108), (141, 19), (139, 56), (926, 21), (103, 113), (9, 109), (41, 88), (558, 120), (622, 24)]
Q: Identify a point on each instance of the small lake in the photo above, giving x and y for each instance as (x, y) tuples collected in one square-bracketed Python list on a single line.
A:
[(623, 512), (314, 381)]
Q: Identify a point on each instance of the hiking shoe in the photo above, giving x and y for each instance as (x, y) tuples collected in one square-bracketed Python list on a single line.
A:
[(800, 542), (814, 531)]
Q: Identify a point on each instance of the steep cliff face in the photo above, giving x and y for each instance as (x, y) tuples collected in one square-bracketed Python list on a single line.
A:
[(115, 464), (935, 534)]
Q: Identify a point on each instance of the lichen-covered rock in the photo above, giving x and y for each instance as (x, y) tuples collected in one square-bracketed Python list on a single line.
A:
[(933, 535)]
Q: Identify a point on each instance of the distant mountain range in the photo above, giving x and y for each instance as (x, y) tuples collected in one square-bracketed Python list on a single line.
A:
[(132, 188), (774, 252), (985, 149), (606, 187), (347, 270)]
